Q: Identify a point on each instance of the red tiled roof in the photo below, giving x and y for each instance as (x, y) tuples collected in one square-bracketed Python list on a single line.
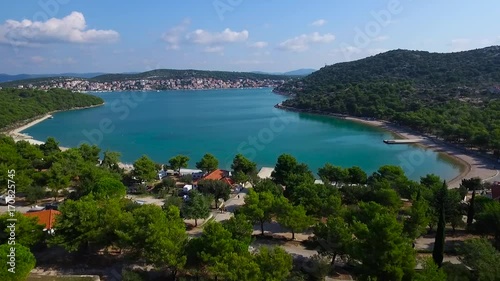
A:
[(219, 175), (46, 218)]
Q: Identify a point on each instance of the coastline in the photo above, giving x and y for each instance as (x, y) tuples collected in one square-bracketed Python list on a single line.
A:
[(15, 130), (472, 165), (16, 134)]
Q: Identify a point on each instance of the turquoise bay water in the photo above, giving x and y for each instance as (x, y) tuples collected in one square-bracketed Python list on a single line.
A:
[(226, 122)]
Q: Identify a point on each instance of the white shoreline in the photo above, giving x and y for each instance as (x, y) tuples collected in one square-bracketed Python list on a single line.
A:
[(475, 165), (17, 134)]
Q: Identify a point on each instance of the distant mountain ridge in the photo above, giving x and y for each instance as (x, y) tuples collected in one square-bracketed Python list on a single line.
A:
[(297, 72), (102, 75), (24, 79), (7, 77)]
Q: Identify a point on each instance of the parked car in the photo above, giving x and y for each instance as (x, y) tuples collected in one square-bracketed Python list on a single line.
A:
[(36, 208), (52, 206)]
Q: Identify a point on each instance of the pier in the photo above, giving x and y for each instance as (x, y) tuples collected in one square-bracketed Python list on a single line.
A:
[(405, 141)]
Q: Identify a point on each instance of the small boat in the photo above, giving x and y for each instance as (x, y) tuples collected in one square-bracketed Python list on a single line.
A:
[(51, 117)]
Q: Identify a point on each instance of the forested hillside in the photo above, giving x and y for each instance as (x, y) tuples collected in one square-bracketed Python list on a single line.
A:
[(454, 95), (23, 104), (186, 73)]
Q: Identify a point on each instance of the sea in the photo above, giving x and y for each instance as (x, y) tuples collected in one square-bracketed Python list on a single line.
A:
[(225, 122)]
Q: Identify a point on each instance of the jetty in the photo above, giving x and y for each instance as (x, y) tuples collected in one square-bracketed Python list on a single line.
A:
[(405, 141)]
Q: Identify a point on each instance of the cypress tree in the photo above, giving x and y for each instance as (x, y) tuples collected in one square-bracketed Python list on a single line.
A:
[(438, 251), (470, 212)]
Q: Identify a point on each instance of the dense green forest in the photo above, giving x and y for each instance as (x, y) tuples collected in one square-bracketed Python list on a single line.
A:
[(22, 104), (453, 96), (357, 223)]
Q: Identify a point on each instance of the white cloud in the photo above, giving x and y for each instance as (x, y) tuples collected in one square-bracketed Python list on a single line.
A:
[(213, 49), (302, 42), (380, 38), (70, 29), (204, 37), (259, 45), (319, 22), (174, 35)]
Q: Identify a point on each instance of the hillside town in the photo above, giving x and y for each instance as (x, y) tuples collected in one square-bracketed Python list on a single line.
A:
[(192, 83)]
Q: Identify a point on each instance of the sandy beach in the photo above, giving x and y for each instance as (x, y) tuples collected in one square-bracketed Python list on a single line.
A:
[(18, 136), (474, 165)]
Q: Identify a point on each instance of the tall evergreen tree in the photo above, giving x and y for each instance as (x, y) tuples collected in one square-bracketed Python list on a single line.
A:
[(470, 211), (438, 251)]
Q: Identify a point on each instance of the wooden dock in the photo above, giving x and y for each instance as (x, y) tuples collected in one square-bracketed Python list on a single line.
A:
[(405, 141)]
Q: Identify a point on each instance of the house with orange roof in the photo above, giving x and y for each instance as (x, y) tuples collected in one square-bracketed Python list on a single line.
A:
[(47, 218), (222, 175)]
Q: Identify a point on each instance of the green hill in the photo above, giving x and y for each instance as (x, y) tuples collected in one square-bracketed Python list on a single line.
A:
[(451, 95), (186, 73), (23, 104)]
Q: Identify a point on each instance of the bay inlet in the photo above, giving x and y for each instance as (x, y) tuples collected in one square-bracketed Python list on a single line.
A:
[(226, 122)]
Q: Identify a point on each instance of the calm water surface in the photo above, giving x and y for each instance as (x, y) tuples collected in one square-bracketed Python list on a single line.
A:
[(226, 122)]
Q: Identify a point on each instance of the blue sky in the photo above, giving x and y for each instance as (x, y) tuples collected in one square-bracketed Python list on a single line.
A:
[(54, 36)]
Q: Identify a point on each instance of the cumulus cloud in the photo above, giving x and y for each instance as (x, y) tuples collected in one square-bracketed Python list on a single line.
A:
[(70, 29), (258, 45), (302, 42), (204, 37), (212, 41), (174, 35), (319, 22)]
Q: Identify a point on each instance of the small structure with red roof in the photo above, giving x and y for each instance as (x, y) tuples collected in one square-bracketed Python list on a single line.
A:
[(222, 175), (47, 218)]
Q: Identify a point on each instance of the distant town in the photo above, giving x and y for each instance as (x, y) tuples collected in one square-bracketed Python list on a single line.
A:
[(78, 84)]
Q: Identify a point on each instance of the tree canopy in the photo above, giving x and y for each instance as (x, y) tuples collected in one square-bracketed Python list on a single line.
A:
[(208, 163), (24, 104), (145, 168), (449, 95)]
